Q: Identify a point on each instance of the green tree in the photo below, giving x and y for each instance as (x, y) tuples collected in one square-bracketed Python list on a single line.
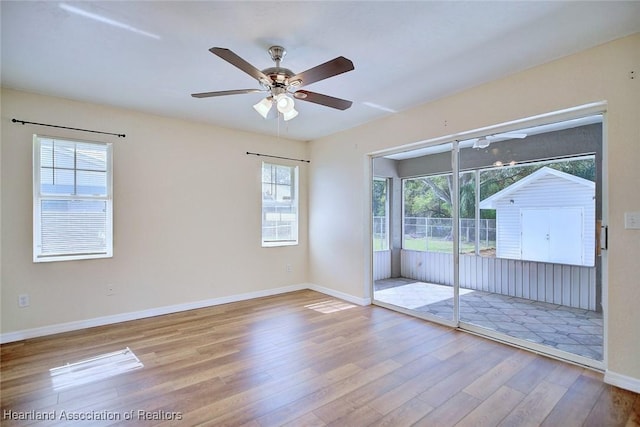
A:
[(441, 201), (426, 197), (379, 197), (430, 196)]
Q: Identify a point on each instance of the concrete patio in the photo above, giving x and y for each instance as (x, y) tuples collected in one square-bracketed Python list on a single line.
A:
[(573, 330)]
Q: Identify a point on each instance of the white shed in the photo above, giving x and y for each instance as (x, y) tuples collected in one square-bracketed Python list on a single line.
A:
[(548, 216)]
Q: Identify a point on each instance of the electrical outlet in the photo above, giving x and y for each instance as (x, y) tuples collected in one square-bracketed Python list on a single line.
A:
[(23, 300), (111, 290), (289, 268)]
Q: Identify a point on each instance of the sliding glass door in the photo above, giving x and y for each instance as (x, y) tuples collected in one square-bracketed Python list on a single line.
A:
[(424, 284), (534, 199), (499, 236)]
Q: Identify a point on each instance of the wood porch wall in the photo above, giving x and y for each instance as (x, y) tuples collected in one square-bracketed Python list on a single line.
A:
[(381, 265), (568, 285)]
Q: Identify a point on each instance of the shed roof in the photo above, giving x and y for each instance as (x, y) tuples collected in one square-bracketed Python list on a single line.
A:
[(490, 202)]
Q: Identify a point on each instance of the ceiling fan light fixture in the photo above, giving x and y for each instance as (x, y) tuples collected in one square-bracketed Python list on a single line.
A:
[(264, 106), (482, 143), (289, 115), (284, 103)]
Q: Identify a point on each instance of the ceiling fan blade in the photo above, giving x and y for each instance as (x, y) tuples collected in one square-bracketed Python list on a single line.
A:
[(235, 60), (508, 135), (331, 68), (326, 100), (225, 92)]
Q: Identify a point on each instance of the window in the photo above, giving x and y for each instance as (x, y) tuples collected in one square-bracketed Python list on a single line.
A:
[(380, 215), (428, 224), (72, 200), (541, 210), (279, 205)]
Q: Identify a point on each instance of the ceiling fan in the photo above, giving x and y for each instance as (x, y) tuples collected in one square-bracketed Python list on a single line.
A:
[(282, 84), (485, 141)]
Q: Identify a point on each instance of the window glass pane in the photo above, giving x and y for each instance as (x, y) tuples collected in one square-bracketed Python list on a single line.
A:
[(46, 153), (467, 202), (428, 224), (91, 183), (63, 155), (73, 227), (63, 183), (283, 175), (283, 193), (91, 157), (267, 192), (267, 172), (46, 180), (279, 223), (380, 215)]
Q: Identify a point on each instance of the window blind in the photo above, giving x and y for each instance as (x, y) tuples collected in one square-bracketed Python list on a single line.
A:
[(279, 205), (72, 200)]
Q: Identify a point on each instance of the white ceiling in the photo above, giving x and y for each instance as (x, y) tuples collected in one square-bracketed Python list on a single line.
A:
[(151, 55)]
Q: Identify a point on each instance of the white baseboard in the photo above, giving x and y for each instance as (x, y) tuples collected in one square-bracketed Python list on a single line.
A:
[(341, 295), (124, 317), (622, 381)]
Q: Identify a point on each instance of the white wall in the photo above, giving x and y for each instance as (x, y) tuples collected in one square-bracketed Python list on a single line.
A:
[(187, 219), (339, 227)]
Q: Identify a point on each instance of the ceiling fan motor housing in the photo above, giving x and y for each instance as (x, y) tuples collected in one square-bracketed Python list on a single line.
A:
[(279, 76)]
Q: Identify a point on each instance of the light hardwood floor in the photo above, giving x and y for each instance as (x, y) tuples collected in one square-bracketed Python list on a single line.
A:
[(305, 359)]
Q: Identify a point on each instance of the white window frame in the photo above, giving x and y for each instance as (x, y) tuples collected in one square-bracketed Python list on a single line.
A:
[(39, 197), (293, 239)]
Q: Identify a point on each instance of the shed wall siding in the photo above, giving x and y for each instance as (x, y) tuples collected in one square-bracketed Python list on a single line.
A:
[(547, 192)]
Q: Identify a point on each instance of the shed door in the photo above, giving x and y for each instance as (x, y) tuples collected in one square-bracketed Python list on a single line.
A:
[(552, 235)]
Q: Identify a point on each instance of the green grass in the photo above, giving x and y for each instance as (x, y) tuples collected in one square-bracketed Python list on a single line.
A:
[(379, 244), (431, 245)]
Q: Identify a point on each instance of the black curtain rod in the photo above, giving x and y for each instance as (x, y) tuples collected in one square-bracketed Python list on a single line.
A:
[(278, 157), (120, 135)]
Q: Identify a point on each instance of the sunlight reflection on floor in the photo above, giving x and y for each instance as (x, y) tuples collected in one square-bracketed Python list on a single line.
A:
[(94, 369), (330, 306)]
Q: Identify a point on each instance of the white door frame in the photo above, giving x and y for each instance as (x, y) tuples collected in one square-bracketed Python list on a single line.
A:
[(597, 108)]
